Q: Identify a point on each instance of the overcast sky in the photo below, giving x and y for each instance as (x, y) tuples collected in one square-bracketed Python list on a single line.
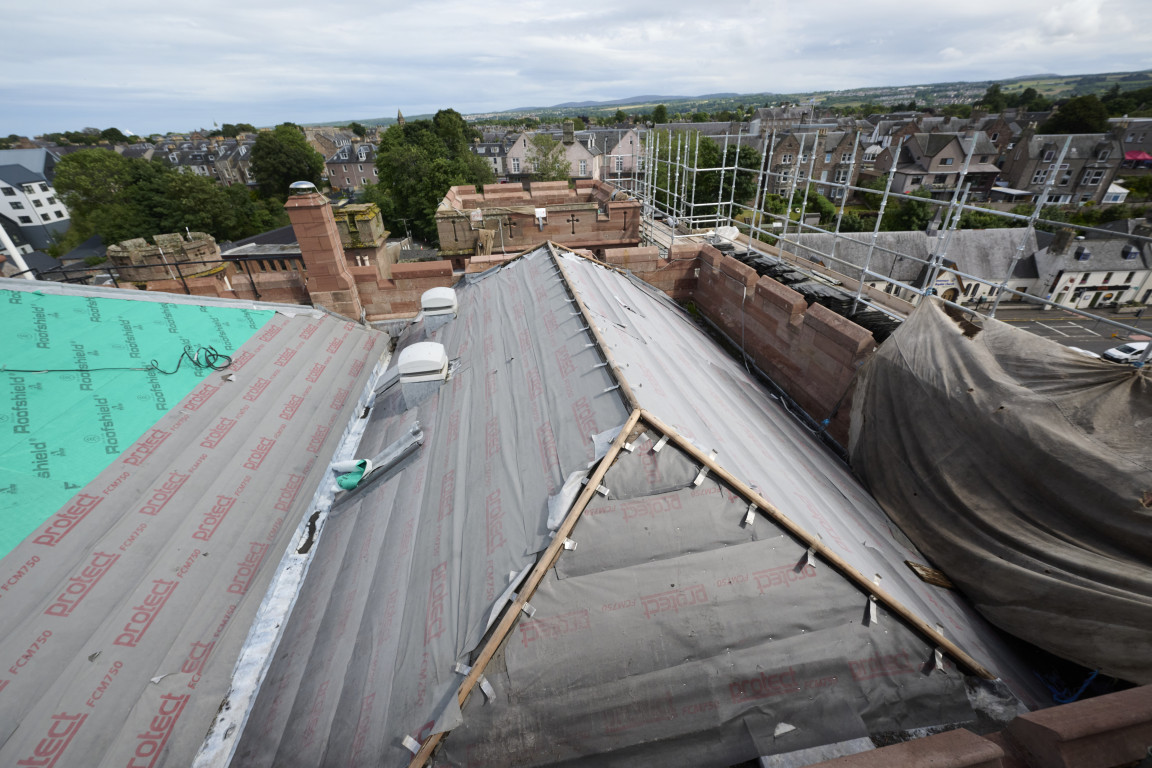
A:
[(154, 67)]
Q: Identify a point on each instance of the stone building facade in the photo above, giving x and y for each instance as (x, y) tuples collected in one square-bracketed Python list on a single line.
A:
[(170, 257), (506, 219)]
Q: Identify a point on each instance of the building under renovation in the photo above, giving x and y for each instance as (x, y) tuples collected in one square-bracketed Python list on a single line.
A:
[(554, 519)]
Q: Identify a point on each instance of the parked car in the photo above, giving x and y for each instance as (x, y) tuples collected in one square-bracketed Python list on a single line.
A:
[(1126, 353)]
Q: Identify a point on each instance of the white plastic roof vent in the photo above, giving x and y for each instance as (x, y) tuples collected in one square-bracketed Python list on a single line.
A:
[(439, 301), (423, 361)]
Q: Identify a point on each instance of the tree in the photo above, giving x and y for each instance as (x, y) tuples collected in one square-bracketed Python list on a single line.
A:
[(282, 156), (121, 198), (620, 117), (417, 163), (547, 159), (578, 124), (230, 131), (993, 99), (358, 129), (711, 190), (1082, 114), (660, 114), (114, 135), (910, 215)]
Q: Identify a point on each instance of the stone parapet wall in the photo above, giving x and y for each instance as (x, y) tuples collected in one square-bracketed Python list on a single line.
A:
[(502, 218), (809, 351), (399, 296)]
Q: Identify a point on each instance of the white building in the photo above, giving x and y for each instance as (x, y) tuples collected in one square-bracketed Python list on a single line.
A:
[(28, 199)]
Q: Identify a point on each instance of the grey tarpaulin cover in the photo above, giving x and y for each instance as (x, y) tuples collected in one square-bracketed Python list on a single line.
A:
[(1023, 470), (666, 606)]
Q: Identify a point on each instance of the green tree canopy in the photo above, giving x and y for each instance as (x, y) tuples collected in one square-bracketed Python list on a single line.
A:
[(417, 163), (1082, 114), (358, 129), (120, 198), (711, 190), (547, 159), (660, 114), (283, 156), (230, 131), (114, 135), (993, 99), (620, 117)]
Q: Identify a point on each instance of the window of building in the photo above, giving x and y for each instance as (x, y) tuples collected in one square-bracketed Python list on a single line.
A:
[(1083, 278), (583, 167), (29, 189), (375, 172), (786, 159), (1049, 155), (515, 165), (25, 219), (1040, 176), (841, 176), (1107, 278), (1104, 154), (827, 157), (347, 181), (1130, 276), (1131, 138), (59, 214), (46, 217), (917, 180), (9, 192), (344, 168), (43, 187), (1065, 178), (17, 205), (995, 136), (846, 157), (619, 165), (946, 161), (940, 178), (38, 203), (51, 200), (360, 168), (1092, 177)]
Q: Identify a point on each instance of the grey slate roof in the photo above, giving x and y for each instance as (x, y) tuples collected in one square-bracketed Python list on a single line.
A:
[(409, 572), (16, 175), (985, 253)]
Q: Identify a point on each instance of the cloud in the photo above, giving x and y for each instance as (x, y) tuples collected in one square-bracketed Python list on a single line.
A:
[(154, 68)]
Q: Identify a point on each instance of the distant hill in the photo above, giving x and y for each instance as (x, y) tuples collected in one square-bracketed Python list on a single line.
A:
[(1051, 85)]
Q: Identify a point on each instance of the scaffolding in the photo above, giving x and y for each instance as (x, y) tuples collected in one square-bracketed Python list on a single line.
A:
[(668, 167)]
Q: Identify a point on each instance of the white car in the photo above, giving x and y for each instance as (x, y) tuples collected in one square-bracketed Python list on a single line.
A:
[(1126, 353)]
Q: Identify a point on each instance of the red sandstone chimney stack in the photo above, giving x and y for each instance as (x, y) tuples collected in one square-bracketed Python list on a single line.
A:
[(330, 284)]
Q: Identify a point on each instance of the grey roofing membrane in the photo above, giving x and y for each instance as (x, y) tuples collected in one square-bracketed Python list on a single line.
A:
[(668, 631), (124, 638)]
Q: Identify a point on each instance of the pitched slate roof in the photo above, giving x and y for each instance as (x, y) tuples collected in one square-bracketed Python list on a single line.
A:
[(667, 630)]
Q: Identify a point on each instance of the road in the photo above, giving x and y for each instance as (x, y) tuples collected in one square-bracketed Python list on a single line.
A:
[(1075, 331)]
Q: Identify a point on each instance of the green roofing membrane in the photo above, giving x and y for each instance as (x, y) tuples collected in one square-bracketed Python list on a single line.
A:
[(64, 426)]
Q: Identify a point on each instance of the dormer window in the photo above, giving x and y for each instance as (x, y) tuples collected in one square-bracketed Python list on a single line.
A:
[(1049, 155), (1103, 154), (1129, 252), (1083, 254)]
